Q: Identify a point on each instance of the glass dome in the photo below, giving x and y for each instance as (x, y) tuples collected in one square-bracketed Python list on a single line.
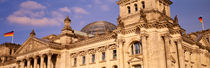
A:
[(99, 27)]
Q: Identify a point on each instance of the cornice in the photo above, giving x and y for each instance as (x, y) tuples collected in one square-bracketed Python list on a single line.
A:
[(94, 39), (124, 2)]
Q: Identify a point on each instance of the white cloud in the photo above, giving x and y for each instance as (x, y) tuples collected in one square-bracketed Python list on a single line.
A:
[(98, 1), (65, 9), (31, 5), (89, 6), (105, 7), (33, 13), (80, 10), (111, 0)]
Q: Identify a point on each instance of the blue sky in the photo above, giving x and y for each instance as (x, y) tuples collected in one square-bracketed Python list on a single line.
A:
[(46, 16)]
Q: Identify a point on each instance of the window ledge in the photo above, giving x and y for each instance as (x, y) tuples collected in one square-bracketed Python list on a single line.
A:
[(93, 63), (136, 55), (113, 59), (74, 66), (102, 61), (82, 64)]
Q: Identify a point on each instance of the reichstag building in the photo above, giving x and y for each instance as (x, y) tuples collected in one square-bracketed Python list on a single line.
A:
[(146, 36)]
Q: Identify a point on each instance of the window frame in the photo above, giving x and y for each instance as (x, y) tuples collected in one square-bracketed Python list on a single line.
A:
[(103, 56), (136, 7), (75, 61), (114, 56), (83, 59), (129, 9), (93, 58), (136, 49), (143, 4)]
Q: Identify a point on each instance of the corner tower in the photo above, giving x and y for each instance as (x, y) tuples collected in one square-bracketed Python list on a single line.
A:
[(131, 10)]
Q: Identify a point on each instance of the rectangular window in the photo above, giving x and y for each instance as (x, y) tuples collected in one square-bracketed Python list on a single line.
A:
[(114, 54), (75, 61), (103, 56), (137, 66), (137, 48), (93, 58), (83, 60)]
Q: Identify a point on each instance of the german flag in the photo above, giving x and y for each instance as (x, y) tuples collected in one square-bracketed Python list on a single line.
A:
[(9, 34), (201, 19)]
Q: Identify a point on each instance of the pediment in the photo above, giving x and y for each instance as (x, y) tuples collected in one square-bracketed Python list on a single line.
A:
[(135, 59), (31, 45)]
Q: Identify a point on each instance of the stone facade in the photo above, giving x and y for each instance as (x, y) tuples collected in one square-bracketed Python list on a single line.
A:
[(146, 37)]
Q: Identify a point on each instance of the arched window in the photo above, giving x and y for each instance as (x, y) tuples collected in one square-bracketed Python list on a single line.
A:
[(136, 7), (143, 4), (115, 66), (129, 9), (136, 48)]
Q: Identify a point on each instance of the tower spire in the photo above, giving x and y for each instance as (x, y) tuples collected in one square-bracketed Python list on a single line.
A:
[(67, 28), (67, 23), (32, 34)]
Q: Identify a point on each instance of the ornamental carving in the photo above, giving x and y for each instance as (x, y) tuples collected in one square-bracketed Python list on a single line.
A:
[(82, 53), (91, 51), (102, 49), (73, 55), (31, 46), (113, 46)]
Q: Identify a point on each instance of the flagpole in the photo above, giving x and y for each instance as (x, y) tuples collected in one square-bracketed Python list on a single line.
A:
[(202, 26), (12, 39)]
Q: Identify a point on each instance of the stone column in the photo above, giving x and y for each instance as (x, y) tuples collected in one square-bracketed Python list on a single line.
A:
[(121, 51), (58, 61), (35, 62), (22, 64), (180, 54), (49, 61), (42, 61), (145, 52), (28, 63), (167, 51)]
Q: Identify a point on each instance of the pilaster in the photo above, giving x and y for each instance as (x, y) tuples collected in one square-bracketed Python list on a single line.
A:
[(145, 50)]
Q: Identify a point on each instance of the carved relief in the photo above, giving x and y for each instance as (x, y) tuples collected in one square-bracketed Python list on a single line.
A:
[(74, 55), (113, 46), (31, 46), (91, 51), (82, 53), (102, 49)]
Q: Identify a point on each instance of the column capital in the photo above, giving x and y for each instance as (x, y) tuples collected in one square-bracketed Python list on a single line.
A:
[(35, 57), (28, 59), (42, 55), (49, 54)]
